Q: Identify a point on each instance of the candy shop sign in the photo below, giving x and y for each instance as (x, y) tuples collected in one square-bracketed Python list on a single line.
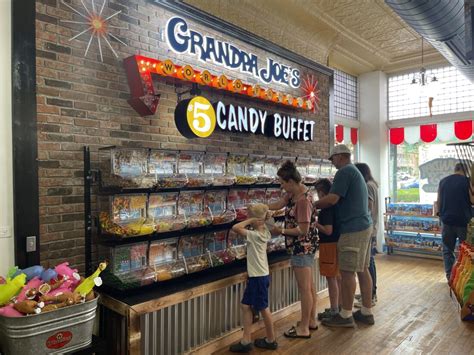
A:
[(198, 118), (181, 39)]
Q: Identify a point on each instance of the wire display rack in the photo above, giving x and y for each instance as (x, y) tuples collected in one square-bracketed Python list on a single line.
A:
[(465, 154)]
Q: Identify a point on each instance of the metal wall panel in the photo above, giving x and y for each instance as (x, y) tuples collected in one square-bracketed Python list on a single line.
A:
[(181, 327)]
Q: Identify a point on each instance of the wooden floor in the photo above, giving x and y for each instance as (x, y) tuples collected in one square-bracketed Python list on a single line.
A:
[(414, 315)]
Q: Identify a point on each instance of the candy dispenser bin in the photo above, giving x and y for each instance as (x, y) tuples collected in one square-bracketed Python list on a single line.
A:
[(191, 205), (216, 244), (216, 202), (124, 216), (238, 200), (191, 165), (164, 166), (163, 210), (163, 259), (124, 168), (191, 248), (256, 169), (237, 165), (271, 166), (237, 245), (215, 166), (274, 195)]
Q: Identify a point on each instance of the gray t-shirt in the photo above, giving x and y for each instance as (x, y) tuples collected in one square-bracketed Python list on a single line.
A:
[(352, 208), (372, 190)]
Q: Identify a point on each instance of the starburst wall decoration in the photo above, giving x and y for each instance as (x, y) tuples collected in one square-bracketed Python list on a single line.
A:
[(311, 91), (97, 26)]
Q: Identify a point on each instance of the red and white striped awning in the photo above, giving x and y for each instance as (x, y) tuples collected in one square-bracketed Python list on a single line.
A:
[(346, 134), (445, 131)]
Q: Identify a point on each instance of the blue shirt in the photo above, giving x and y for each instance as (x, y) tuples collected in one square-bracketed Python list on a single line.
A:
[(455, 205), (352, 210)]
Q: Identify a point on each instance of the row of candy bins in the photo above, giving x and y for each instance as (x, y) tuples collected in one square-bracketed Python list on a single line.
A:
[(191, 248), (191, 205), (462, 273), (277, 242), (410, 209), (163, 210), (125, 215), (410, 223), (221, 211), (36, 290), (272, 196)]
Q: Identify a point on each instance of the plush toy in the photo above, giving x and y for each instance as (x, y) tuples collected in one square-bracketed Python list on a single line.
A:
[(9, 311), (30, 272), (11, 288), (62, 297), (30, 288), (64, 269), (54, 306), (29, 307), (48, 274), (88, 284)]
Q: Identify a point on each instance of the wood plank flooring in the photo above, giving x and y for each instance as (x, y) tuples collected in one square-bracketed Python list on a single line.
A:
[(414, 315)]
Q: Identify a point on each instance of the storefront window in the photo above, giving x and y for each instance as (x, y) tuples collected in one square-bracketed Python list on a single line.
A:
[(454, 94), (345, 95), (416, 169)]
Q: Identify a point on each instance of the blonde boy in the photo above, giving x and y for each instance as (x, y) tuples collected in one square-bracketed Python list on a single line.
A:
[(256, 292)]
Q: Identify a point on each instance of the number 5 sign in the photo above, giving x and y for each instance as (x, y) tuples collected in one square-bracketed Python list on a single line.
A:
[(200, 117)]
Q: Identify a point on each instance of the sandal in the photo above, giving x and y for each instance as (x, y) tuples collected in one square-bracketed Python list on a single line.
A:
[(292, 333), (310, 327)]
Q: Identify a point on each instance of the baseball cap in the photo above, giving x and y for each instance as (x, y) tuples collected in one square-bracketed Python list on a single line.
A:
[(339, 149)]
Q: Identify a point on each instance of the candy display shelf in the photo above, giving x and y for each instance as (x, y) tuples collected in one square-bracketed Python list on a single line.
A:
[(412, 230)]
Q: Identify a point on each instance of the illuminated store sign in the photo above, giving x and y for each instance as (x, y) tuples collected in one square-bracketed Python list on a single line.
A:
[(197, 117), (181, 39)]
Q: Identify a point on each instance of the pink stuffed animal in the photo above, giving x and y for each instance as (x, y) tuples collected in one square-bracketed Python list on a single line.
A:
[(9, 311)]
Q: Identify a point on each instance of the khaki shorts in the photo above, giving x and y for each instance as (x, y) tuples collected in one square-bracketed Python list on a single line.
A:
[(353, 250)]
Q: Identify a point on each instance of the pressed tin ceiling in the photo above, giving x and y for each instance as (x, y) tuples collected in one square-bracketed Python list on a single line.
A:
[(354, 36)]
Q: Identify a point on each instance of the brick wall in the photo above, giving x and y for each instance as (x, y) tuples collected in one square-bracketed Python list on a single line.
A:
[(83, 101)]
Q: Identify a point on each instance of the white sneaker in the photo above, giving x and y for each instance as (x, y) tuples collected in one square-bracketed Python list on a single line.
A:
[(358, 304)]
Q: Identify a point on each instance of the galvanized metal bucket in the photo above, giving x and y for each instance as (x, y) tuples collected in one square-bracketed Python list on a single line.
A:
[(56, 332)]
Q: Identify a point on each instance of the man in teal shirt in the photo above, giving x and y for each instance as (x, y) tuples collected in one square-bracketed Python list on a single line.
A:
[(349, 195)]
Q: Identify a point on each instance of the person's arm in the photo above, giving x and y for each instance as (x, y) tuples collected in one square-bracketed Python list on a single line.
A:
[(240, 228), (327, 201), (278, 205), (324, 229)]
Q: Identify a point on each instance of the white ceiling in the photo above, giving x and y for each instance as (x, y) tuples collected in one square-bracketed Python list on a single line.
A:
[(355, 36)]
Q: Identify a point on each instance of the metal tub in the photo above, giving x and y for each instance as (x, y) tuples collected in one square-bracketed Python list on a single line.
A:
[(55, 332)]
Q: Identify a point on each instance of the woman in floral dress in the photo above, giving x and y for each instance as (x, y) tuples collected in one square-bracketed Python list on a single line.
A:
[(301, 243)]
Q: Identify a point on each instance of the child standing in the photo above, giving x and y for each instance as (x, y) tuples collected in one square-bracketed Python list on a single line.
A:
[(256, 292), (328, 237)]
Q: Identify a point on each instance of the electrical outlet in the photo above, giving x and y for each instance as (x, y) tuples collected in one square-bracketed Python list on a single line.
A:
[(31, 243), (5, 232)]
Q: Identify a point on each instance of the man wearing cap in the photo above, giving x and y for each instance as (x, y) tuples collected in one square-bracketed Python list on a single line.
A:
[(349, 194)]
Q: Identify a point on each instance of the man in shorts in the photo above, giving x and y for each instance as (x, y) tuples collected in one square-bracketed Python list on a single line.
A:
[(349, 194)]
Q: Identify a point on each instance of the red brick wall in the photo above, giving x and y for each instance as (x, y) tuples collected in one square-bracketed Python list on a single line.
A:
[(83, 101)]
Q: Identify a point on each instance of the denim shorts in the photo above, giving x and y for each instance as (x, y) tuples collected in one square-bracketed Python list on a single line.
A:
[(303, 260)]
